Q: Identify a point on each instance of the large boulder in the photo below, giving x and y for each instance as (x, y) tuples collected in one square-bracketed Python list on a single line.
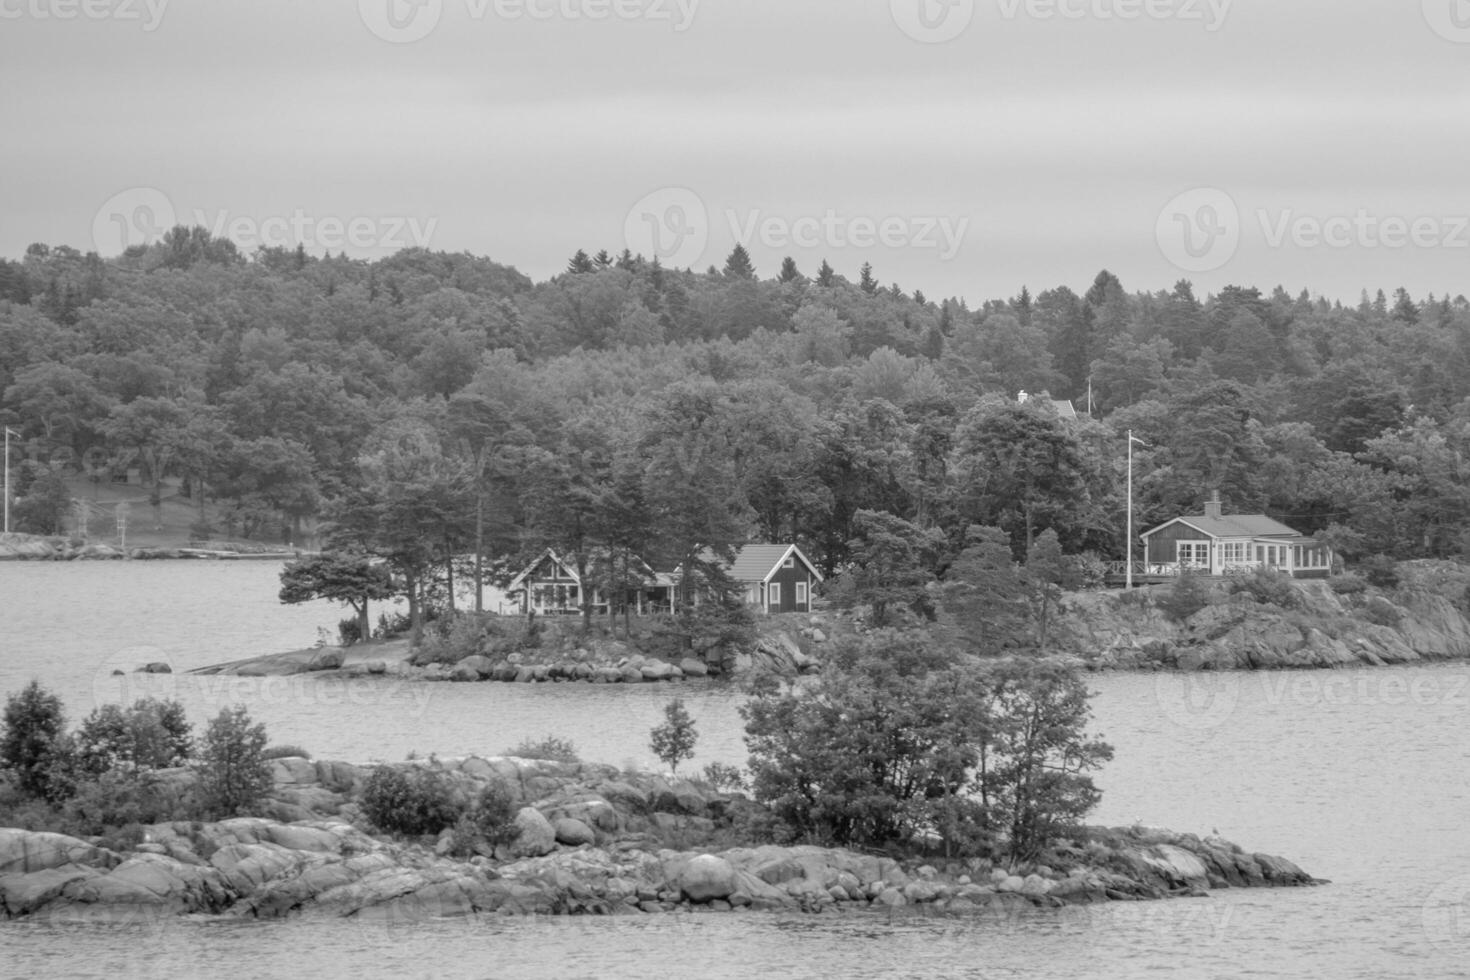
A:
[(574, 833), (693, 667), (534, 834), (707, 877), (25, 851), (327, 658)]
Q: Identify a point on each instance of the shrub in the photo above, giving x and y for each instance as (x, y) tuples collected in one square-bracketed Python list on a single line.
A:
[(494, 814), (724, 778), (349, 631), (1091, 570), (233, 775), (1187, 596), (897, 735), (119, 799), (1381, 612), (285, 752), (33, 743), (149, 734), (1381, 571), (673, 741), (1348, 584), (1268, 587), (550, 748), (413, 802), (399, 624)]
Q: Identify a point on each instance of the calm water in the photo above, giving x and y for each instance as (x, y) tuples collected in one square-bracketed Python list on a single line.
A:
[(1360, 776)]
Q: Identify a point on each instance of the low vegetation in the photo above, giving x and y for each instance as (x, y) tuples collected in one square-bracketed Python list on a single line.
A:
[(114, 771)]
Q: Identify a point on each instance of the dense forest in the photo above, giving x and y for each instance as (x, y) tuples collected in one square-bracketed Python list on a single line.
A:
[(427, 401)]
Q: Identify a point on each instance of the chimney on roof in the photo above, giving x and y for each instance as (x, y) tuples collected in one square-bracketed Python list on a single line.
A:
[(1212, 506)]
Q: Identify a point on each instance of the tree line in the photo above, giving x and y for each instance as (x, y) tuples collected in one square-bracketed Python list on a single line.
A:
[(428, 404)]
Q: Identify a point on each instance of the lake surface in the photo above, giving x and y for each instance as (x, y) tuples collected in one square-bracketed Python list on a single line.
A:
[(1359, 776)]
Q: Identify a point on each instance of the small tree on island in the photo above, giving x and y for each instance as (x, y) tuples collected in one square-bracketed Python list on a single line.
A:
[(673, 741), (233, 773), (340, 576)]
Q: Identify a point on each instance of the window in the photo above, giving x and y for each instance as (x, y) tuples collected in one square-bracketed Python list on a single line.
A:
[(774, 596), (790, 562), (1194, 554), (1235, 552), (801, 593)]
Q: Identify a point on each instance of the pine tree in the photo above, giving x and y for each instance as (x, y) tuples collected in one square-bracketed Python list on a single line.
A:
[(738, 265), (602, 260), (866, 281), (789, 271), (579, 264), (826, 277)]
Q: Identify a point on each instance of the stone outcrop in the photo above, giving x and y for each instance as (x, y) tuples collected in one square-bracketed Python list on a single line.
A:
[(589, 840), (1425, 619)]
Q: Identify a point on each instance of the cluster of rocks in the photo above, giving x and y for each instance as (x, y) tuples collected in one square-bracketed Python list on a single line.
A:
[(634, 669), (1322, 630), (587, 840)]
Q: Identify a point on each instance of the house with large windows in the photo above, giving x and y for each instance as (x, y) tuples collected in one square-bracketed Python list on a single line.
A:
[(1216, 543)]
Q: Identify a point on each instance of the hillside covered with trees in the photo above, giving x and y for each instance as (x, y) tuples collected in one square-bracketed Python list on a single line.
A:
[(433, 404)]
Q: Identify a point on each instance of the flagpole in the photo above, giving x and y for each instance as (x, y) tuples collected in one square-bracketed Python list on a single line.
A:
[(1128, 573), (7, 478)]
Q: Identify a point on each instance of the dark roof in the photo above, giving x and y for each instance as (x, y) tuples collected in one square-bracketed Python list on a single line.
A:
[(1233, 526), (756, 562)]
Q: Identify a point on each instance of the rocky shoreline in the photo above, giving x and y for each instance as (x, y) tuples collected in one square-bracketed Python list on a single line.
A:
[(589, 839), (1425, 619), (30, 547)]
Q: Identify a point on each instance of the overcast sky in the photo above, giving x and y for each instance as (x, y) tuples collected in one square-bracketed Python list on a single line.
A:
[(964, 147)]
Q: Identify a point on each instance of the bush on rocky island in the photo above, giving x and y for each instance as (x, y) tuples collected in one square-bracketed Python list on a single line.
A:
[(902, 743), (412, 802), (550, 748)]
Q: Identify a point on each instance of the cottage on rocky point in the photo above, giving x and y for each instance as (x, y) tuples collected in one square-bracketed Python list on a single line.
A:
[(1216, 543)]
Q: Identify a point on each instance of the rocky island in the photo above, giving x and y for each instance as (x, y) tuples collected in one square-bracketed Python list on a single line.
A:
[(587, 839)]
